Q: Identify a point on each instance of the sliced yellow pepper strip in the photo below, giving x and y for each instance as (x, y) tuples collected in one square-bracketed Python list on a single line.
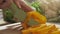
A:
[(46, 30), (33, 30), (56, 32)]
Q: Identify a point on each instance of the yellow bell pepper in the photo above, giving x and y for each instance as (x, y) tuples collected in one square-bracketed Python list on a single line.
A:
[(36, 16)]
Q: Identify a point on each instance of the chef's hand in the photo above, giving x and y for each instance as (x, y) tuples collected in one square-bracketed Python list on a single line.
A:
[(23, 5), (17, 2), (4, 4)]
